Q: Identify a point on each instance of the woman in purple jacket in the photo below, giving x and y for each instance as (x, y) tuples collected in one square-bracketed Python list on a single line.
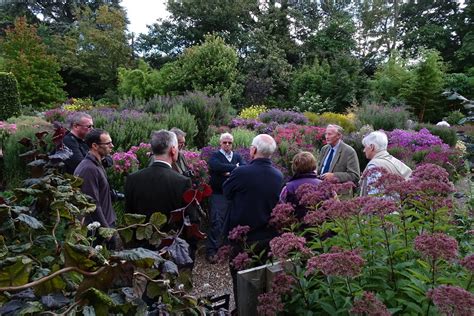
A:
[(303, 166)]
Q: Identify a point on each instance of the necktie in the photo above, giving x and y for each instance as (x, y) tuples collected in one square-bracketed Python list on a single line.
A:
[(328, 161)]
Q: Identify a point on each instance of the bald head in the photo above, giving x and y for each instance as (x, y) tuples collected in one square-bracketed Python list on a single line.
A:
[(263, 146)]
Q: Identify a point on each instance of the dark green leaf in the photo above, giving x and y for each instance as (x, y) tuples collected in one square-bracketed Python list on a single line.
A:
[(107, 232), (158, 219), (30, 221), (15, 271), (131, 219), (140, 256)]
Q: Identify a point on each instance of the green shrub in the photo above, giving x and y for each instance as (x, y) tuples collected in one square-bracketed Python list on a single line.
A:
[(382, 117), (15, 170), (9, 96), (448, 135), (252, 112), (179, 117), (454, 117), (242, 138), (345, 121)]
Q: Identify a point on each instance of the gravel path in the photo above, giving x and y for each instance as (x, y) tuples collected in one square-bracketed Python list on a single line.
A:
[(211, 279)]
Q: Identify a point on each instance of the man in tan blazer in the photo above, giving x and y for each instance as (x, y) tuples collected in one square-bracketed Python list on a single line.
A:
[(337, 160)]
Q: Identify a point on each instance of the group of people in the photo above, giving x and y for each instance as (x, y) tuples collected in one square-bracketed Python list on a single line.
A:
[(244, 192)]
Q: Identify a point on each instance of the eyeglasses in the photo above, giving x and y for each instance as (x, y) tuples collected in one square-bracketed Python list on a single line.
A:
[(227, 143), (106, 144), (88, 126)]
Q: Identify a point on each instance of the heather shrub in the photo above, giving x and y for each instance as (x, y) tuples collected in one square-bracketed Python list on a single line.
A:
[(345, 121), (447, 135), (9, 96), (180, 117), (252, 112), (282, 117), (56, 115), (382, 117)]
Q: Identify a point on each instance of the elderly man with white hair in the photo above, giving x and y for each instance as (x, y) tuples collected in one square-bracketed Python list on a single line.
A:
[(375, 149), (221, 164)]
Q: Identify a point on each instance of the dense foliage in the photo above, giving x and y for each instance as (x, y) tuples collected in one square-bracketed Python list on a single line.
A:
[(9, 96)]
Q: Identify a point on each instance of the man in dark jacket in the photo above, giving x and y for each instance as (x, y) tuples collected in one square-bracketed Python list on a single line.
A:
[(80, 124), (253, 191), (95, 183), (221, 164)]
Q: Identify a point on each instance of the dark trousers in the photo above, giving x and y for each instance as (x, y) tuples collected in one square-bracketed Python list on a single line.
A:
[(219, 209)]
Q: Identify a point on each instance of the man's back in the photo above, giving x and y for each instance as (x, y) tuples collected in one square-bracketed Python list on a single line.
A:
[(253, 190), (157, 188)]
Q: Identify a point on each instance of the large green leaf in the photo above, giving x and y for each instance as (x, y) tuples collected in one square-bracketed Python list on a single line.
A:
[(83, 257), (15, 271), (141, 257), (107, 232), (6, 221), (131, 219), (144, 232), (158, 219), (54, 285), (31, 308), (30, 221), (99, 300)]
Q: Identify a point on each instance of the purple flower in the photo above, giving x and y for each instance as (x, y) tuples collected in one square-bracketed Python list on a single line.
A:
[(288, 242), (282, 283), (452, 300), (377, 206), (269, 304), (281, 117), (315, 218), (283, 215), (369, 305), (311, 195), (468, 263), (345, 264), (241, 261), (437, 246), (223, 253), (239, 232)]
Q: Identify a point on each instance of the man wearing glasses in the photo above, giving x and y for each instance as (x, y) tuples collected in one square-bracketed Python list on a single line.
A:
[(221, 164), (80, 124), (95, 183), (181, 165)]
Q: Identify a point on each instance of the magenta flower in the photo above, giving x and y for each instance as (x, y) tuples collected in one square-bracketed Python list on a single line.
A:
[(337, 209), (288, 242), (282, 283), (269, 304), (452, 300), (223, 253), (311, 195), (437, 246), (377, 206), (241, 261), (315, 218), (283, 215), (468, 262), (344, 264), (369, 305), (239, 232)]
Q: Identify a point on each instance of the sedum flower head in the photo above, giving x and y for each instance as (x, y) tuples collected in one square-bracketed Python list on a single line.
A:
[(344, 264), (437, 246), (239, 232), (288, 242), (369, 305), (452, 300)]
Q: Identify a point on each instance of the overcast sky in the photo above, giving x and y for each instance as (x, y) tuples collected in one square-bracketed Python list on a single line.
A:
[(141, 13)]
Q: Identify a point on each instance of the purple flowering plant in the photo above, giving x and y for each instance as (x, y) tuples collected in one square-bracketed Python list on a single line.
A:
[(401, 248)]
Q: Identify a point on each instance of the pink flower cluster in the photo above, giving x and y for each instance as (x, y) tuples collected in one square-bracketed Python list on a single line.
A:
[(345, 264), (6, 129), (241, 261), (239, 233), (437, 246), (143, 154), (283, 215), (301, 135), (452, 300), (282, 283), (369, 305), (377, 206), (288, 242), (413, 141), (197, 165), (315, 218), (125, 162), (468, 262), (223, 253), (269, 304)]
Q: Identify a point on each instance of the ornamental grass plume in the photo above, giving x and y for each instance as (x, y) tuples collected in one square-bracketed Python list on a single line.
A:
[(241, 261), (437, 246), (269, 304), (283, 215), (282, 246), (344, 264), (452, 300), (468, 262), (369, 305), (239, 233)]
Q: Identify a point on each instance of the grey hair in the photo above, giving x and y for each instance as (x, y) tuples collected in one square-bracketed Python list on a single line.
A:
[(178, 132), (76, 118), (265, 145), (226, 135), (162, 141), (378, 139), (338, 128)]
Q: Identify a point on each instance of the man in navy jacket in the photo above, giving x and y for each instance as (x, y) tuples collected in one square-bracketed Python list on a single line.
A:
[(253, 191), (221, 164)]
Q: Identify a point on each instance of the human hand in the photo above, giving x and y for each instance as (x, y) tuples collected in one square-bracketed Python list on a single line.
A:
[(328, 176)]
